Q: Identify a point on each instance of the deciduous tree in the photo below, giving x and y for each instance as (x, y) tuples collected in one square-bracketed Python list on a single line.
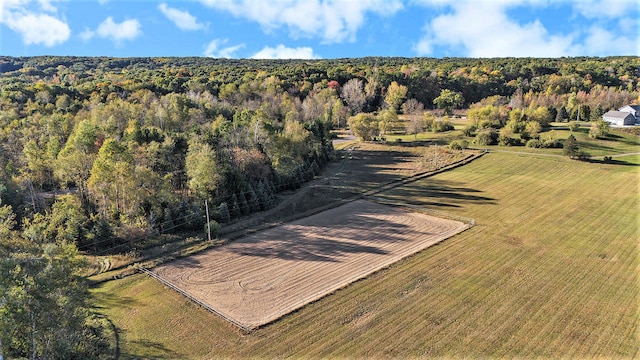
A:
[(44, 309), (395, 95), (448, 100), (353, 94), (364, 126), (202, 170)]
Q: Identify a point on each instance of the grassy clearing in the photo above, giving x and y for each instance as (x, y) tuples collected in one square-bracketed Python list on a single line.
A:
[(550, 270)]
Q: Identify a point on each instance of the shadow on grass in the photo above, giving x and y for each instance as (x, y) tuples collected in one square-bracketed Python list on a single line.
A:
[(629, 140), (612, 162), (590, 146), (439, 193), (152, 350), (111, 300)]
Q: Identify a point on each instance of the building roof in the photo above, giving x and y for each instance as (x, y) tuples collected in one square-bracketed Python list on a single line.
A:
[(617, 114), (634, 107)]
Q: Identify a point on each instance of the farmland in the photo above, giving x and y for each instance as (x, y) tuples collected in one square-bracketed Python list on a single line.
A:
[(550, 270), (259, 278)]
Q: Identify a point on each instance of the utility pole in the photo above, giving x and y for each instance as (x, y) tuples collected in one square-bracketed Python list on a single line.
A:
[(206, 206)]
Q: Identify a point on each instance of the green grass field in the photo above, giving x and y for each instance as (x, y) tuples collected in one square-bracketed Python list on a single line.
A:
[(551, 269)]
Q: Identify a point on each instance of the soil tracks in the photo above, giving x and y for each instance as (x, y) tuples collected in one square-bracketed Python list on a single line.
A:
[(259, 278)]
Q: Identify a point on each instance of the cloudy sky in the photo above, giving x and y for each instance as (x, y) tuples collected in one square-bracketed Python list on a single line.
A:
[(320, 28)]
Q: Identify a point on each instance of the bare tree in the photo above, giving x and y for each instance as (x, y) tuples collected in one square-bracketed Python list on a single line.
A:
[(412, 106), (416, 124), (353, 94)]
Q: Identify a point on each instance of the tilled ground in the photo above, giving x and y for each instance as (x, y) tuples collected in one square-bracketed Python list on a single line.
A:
[(259, 278)]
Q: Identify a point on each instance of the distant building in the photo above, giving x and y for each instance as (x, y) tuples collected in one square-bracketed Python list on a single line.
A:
[(626, 115)]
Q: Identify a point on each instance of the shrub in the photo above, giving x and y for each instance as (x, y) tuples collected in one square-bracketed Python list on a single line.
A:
[(534, 143), (441, 126), (487, 137), (458, 144), (508, 141), (553, 144), (574, 126), (470, 130)]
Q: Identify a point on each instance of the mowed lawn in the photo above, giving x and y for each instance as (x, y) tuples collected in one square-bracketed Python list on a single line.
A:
[(550, 270)]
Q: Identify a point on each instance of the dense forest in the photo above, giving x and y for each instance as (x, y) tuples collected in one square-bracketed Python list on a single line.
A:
[(137, 145)]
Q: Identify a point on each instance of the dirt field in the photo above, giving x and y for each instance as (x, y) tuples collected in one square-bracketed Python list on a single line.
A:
[(259, 278)]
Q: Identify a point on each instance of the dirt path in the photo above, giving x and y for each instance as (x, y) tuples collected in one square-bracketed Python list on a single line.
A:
[(628, 154)]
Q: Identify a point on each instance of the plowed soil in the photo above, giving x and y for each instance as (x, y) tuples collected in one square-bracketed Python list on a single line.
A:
[(259, 278)]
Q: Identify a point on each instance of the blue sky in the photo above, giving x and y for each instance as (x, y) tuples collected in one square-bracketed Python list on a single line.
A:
[(320, 28)]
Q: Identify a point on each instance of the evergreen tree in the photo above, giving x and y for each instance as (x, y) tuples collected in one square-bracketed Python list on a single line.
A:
[(263, 196), (235, 210), (570, 147), (223, 213), (596, 114), (243, 204), (553, 113), (252, 199), (562, 115)]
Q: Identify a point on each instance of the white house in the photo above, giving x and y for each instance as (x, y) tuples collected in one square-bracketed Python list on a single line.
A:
[(626, 115), (633, 109)]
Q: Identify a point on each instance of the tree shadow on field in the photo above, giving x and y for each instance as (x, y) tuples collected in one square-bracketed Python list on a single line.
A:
[(438, 193), (187, 261), (612, 162), (371, 168), (152, 350), (109, 299), (329, 237)]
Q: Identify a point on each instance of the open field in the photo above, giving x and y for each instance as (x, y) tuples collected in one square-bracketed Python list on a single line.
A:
[(259, 278), (551, 269)]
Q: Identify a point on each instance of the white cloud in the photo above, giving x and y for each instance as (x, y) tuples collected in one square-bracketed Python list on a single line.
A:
[(39, 29), (283, 52), (87, 34), (213, 49), (36, 23), (600, 42), (47, 6), (485, 30), (607, 8), (182, 19), (333, 21), (117, 32)]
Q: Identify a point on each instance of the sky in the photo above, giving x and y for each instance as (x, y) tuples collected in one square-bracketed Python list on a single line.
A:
[(320, 29)]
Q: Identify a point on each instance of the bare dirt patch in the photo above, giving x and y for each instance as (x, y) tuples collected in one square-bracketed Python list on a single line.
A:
[(259, 278)]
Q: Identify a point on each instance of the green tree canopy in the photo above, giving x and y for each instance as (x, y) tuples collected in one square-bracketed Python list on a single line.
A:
[(364, 126), (448, 100), (395, 95), (202, 169)]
